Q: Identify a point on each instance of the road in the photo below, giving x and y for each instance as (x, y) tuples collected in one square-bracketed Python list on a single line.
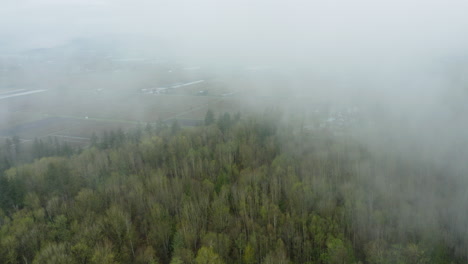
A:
[(20, 93)]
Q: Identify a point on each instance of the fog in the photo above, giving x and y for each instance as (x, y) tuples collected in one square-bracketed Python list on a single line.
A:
[(385, 47), (254, 30), (402, 63)]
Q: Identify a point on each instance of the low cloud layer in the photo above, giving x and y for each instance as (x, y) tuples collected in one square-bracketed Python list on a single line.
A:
[(292, 30)]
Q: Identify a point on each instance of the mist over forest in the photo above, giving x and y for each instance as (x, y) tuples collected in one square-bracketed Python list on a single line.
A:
[(233, 131)]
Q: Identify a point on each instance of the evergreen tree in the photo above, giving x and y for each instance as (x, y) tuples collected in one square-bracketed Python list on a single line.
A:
[(209, 117)]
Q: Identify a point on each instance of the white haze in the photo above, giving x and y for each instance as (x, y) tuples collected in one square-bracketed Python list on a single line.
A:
[(405, 58), (386, 46), (264, 30)]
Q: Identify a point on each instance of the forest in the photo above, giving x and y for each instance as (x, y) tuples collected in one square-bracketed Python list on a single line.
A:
[(238, 189)]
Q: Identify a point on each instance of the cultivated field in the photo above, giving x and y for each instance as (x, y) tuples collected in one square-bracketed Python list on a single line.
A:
[(74, 113)]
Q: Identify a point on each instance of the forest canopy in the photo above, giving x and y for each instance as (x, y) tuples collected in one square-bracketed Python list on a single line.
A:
[(236, 190)]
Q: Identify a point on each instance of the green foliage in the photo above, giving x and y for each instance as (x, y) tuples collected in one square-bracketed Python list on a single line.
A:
[(209, 117), (176, 260), (103, 254), (207, 256), (249, 255), (53, 254), (338, 252), (12, 193), (224, 122), (278, 255), (234, 191)]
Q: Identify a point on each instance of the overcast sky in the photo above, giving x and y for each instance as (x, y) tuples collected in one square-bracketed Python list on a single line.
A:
[(264, 27)]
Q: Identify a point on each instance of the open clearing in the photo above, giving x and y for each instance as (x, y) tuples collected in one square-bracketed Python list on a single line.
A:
[(74, 115)]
